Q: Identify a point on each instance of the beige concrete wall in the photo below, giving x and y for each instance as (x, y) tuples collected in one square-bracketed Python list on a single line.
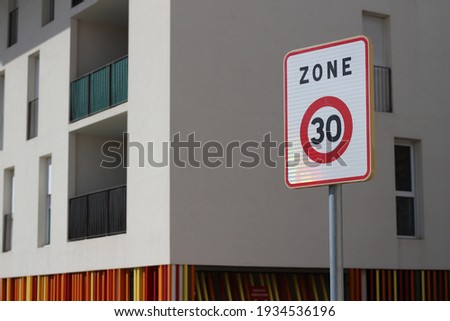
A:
[(226, 84), (147, 240)]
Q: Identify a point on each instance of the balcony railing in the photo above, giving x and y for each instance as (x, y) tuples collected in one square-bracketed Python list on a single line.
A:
[(382, 79), (7, 232), (32, 122), (13, 27), (98, 214), (99, 90)]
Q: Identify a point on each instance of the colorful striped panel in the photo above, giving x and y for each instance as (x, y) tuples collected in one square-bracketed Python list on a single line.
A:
[(407, 285), (155, 283), (182, 282), (247, 286)]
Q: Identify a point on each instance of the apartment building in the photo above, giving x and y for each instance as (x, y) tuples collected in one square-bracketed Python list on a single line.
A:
[(91, 93)]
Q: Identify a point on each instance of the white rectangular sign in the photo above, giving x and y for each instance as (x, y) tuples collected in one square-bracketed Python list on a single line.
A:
[(328, 113)]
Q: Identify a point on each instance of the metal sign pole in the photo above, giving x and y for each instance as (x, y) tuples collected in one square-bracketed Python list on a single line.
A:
[(336, 243)]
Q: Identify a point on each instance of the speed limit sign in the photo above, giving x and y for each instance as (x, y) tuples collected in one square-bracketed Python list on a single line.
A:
[(328, 114)]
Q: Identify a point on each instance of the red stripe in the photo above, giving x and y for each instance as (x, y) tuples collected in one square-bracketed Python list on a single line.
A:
[(212, 296), (221, 287), (177, 283), (372, 285), (434, 286), (389, 284)]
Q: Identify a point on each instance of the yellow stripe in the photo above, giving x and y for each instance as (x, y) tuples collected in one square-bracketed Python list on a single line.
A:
[(29, 288), (38, 288), (269, 287), (197, 288), (45, 288), (296, 288), (261, 279), (275, 288), (185, 282), (252, 282), (205, 291), (241, 289), (316, 295), (227, 285)]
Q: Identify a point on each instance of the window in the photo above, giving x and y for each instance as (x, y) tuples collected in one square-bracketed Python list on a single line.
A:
[(2, 106), (45, 200), (13, 22), (76, 2), (8, 208), (405, 185), (376, 27), (33, 96), (48, 11)]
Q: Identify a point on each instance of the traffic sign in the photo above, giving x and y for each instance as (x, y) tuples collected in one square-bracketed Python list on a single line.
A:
[(328, 106)]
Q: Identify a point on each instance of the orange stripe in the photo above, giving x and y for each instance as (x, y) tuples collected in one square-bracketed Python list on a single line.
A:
[(160, 283)]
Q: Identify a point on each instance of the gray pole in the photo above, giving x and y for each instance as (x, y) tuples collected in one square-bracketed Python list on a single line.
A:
[(336, 243)]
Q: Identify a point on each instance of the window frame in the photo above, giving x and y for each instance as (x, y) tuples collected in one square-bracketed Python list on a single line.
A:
[(13, 27), (9, 183), (33, 95), (48, 11), (413, 193)]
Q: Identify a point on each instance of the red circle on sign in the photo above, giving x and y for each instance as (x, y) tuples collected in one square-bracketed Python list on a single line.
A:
[(313, 154)]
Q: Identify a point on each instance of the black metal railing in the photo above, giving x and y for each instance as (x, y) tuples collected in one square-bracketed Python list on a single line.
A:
[(101, 89), (383, 98), (32, 119), (98, 214), (7, 232), (13, 27)]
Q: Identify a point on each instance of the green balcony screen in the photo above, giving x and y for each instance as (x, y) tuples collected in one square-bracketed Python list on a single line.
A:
[(99, 90)]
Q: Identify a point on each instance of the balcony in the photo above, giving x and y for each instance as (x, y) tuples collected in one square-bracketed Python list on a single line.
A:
[(98, 214), (382, 79), (99, 90)]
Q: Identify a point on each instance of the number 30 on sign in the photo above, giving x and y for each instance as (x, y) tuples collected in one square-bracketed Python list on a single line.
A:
[(328, 104)]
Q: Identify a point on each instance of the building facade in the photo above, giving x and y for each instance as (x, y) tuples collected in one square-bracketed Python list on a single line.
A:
[(96, 94)]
